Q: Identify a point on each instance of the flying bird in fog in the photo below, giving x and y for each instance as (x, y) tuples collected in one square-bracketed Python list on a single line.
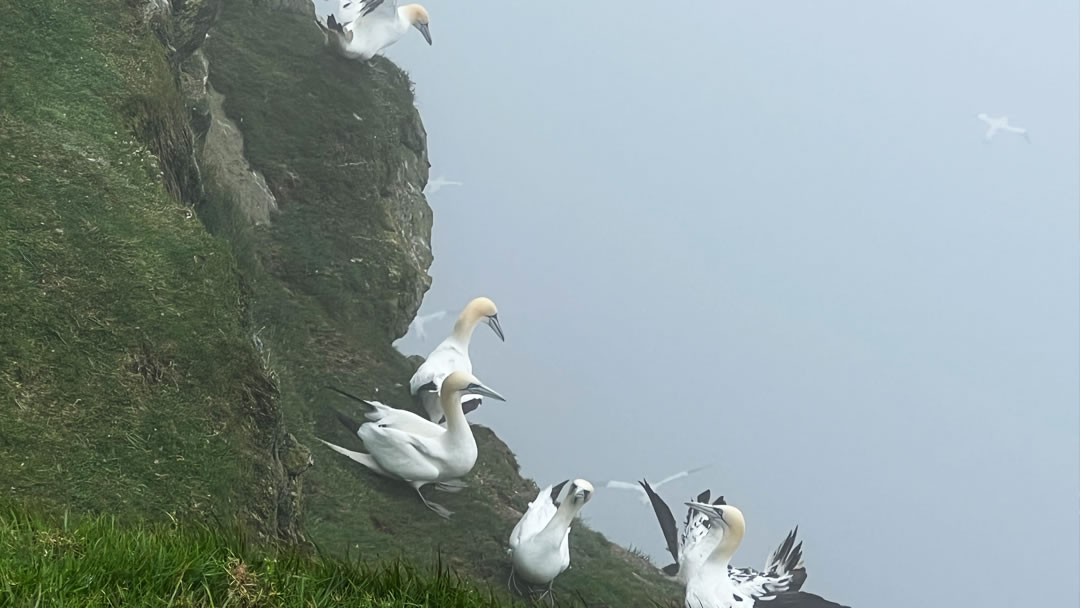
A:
[(642, 495), (1001, 123)]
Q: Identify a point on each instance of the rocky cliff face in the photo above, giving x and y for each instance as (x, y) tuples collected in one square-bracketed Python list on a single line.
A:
[(194, 368)]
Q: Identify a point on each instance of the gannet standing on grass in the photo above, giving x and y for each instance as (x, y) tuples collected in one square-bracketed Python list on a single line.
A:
[(713, 583), (1001, 123), (540, 542), (359, 29), (784, 570), (453, 354), (642, 494), (402, 445)]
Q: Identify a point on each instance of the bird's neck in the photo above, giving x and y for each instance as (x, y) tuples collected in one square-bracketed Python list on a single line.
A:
[(455, 417), (721, 554), (564, 516), (464, 327), (403, 18)]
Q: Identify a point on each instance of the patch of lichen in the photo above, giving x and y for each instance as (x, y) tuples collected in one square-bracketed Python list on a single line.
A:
[(128, 384)]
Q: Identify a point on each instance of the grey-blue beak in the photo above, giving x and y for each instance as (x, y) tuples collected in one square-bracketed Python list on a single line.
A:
[(423, 27), (479, 389), (493, 321)]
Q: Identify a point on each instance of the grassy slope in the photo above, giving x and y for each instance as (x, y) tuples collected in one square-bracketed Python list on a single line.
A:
[(127, 381), (98, 563), (298, 103)]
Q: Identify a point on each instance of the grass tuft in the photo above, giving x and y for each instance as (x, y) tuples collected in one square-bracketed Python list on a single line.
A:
[(99, 562)]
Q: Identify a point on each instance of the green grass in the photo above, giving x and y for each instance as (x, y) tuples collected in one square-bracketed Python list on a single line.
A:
[(128, 383), (101, 563)]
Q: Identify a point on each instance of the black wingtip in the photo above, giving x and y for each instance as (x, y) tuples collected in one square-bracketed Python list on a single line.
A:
[(471, 405), (666, 519), (333, 24), (345, 394), (556, 490), (347, 422), (670, 569)]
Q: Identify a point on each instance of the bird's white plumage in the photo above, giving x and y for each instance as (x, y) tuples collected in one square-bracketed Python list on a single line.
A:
[(534, 519), (696, 541), (452, 354), (449, 356), (438, 183), (715, 584), (418, 324), (360, 29), (540, 542), (404, 446), (642, 495), (1001, 123), (402, 420)]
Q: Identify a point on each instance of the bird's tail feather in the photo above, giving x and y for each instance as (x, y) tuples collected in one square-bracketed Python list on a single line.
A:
[(365, 459)]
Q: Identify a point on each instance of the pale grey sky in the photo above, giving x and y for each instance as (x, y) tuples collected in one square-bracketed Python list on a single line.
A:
[(769, 236)]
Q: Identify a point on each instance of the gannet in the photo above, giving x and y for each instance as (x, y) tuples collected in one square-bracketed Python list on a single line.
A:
[(453, 354), (439, 183), (714, 584), (784, 570), (1001, 123), (359, 29), (642, 494), (540, 542), (402, 445), (418, 323)]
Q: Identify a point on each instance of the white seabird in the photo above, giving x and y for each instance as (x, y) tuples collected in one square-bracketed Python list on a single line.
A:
[(713, 583), (540, 542), (439, 183), (402, 445), (417, 325), (453, 354), (784, 570), (1001, 123), (359, 29), (642, 494)]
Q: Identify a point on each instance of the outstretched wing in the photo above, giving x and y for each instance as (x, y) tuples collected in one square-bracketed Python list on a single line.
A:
[(337, 15), (624, 485), (667, 522), (679, 475)]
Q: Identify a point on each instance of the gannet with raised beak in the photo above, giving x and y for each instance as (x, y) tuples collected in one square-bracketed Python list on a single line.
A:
[(540, 542), (784, 570), (402, 445), (360, 29), (713, 585), (453, 354), (642, 494), (1001, 123)]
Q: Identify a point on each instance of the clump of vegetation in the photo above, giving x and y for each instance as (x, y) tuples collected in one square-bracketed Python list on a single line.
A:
[(101, 562)]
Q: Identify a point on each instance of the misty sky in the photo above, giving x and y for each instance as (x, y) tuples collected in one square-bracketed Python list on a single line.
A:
[(768, 236)]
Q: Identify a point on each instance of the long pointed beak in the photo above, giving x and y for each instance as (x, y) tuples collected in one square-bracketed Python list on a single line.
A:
[(480, 389), (493, 321), (423, 27), (708, 510)]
